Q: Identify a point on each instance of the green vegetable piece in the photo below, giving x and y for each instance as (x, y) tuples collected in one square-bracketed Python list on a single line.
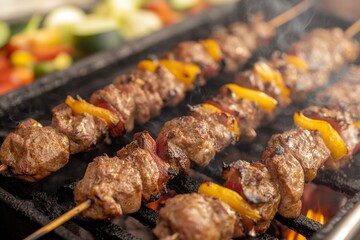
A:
[(4, 33)]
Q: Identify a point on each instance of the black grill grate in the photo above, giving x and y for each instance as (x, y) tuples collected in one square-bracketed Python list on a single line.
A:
[(26, 206)]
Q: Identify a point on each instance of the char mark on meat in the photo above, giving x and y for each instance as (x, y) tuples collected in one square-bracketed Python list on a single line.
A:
[(255, 184)]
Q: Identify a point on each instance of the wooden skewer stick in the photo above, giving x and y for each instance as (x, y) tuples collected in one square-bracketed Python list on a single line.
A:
[(3, 167), (59, 221), (291, 13), (353, 29)]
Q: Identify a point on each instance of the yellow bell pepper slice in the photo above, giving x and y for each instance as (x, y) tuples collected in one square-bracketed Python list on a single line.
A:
[(21, 58), (213, 48), (331, 137), (357, 124), (184, 72), (269, 74), (233, 126), (147, 65), (262, 99), (230, 197), (81, 106), (297, 62)]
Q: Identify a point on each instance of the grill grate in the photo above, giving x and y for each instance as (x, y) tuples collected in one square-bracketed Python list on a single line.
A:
[(26, 206)]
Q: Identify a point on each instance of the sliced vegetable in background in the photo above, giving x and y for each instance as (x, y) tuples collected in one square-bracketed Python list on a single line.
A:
[(96, 34), (139, 23), (4, 33)]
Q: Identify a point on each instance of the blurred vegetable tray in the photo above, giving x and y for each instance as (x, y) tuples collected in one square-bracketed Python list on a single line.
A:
[(105, 65)]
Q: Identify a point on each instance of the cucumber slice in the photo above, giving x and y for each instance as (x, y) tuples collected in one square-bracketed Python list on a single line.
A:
[(4, 33), (182, 5), (96, 34)]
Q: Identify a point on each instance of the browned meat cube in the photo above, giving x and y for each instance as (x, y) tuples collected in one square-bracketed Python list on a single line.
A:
[(114, 186), (83, 130), (255, 184), (33, 152), (197, 217), (287, 171), (306, 146)]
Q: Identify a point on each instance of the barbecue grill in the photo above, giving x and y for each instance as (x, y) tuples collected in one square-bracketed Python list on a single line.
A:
[(27, 206)]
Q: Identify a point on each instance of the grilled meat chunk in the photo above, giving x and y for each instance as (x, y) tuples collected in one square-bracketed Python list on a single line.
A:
[(194, 52), (119, 102), (255, 184), (146, 142), (306, 146), (288, 173), (171, 91), (343, 95), (326, 49), (343, 124), (203, 217), (144, 163), (83, 130), (33, 152), (235, 52), (195, 136), (299, 83), (253, 34), (248, 114), (113, 184), (147, 83)]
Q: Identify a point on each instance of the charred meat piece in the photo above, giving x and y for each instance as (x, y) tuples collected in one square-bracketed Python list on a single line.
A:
[(195, 52), (343, 95), (248, 114), (255, 184), (306, 146), (114, 186), (288, 173), (235, 52), (171, 90), (144, 163), (326, 49), (119, 102), (195, 136), (299, 83), (147, 83), (343, 124), (218, 122), (83, 130), (33, 152), (145, 141), (253, 34), (203, 217)]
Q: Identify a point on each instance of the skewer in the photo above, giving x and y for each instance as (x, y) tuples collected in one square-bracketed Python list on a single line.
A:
[(353, 29), (291, 13), (59, 221)]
